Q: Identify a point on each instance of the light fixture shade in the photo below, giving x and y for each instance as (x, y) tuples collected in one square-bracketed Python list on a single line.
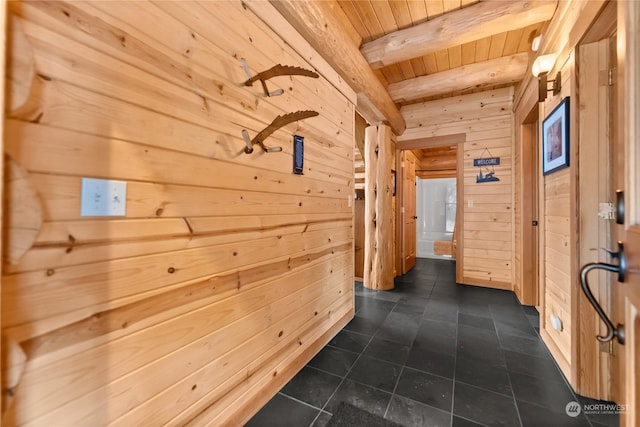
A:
[(543, 64), (535, 45)]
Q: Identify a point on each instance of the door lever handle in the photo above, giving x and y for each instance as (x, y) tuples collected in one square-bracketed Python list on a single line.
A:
[(622, 261), (617, 331)]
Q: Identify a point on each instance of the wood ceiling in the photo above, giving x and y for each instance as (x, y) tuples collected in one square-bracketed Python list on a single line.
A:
[(371, 20)]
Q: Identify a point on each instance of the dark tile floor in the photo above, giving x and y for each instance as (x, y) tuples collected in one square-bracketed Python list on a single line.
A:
[(433, 353)]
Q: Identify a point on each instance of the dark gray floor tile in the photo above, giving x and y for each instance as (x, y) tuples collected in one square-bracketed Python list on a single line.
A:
[(322, 420), (549, 394), (400, 328), (413, 300), (490, 376), (426, 388), (441, 312), (376, 373), (360, 395), (536, 416), (387, 350), (508, 313), (533, 366), (378, 304), (363, 325), (411, 413), (601, 412), (432, 361), (461, 422), (475, 321), (351, 341), (455, 323), (381, 295), (475, 309), (442, 344), (529, 346), (471, 334), (437, 327), (479, 344), (408, 309), (518, 329), (374, 313), (312, 386), (334, 360), (283, 411), (444, 300), (484, 407)]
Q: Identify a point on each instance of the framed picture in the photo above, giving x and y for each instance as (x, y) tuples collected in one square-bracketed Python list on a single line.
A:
[(555, 139)]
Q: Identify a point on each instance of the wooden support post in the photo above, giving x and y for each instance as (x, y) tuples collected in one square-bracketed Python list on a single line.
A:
[(378, 217)]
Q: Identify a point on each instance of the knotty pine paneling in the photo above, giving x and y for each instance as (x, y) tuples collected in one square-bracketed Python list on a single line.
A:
[(559, 277), (487, 228), (228, 272)]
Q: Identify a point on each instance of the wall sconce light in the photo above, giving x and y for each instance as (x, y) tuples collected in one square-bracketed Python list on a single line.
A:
[(540, 69)]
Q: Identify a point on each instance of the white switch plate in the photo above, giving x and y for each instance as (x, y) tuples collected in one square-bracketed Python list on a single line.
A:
[(101, 197)]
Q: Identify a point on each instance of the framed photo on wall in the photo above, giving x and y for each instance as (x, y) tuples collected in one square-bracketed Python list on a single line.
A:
[(555, 139)]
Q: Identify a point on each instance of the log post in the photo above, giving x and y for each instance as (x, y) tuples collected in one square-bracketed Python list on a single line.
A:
[(378, 217)]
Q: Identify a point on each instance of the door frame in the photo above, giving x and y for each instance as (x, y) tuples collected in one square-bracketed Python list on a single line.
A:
[(435, 141), (627, 294), (529, 206), (595, 364)]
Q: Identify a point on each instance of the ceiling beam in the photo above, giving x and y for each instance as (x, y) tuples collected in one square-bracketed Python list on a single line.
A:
[(475, 22), (319, 22), (505, 70)]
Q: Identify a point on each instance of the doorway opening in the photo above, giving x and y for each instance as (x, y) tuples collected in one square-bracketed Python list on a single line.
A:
[(424, 228), (436, 211)]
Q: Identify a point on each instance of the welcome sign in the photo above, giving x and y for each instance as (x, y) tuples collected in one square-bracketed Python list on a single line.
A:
[(490, 161)]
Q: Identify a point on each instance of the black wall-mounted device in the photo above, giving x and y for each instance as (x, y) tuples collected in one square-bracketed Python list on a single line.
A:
[(298, 154)]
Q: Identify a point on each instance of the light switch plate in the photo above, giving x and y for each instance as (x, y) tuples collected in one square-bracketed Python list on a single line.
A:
[(101, 197)]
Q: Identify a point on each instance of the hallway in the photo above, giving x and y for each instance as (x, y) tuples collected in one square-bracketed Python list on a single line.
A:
[(432, 353)]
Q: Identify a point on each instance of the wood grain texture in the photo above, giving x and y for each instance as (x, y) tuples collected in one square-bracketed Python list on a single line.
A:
[(378, 216), (483, 19), (23, 216), (228, 272), (317, 22), (558, 193), (503, 70)]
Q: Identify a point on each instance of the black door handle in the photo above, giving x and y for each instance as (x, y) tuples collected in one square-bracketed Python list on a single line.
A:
[(415, 217), (621, 269)]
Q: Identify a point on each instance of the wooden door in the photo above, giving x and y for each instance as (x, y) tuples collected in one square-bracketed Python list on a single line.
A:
[(409, 204), (627, 165)]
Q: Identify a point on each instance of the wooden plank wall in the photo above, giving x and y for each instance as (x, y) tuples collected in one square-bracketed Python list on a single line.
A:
[(487, 218), (557, 243), (559, 194), (437, 162), (228, 272)]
